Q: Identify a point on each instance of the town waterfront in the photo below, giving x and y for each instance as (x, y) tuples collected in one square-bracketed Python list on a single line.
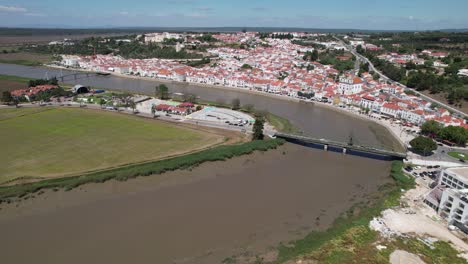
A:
[(243, 206), (313, 120)]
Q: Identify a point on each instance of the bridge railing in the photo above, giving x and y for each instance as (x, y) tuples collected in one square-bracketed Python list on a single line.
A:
[(342, 145)]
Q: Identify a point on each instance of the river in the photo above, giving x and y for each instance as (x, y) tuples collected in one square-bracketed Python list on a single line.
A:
[(244, 206), (316, 121)]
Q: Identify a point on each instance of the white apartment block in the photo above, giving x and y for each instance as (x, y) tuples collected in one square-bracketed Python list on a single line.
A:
[(454, 207), (350, 85), (455, 178), (159, 37), (454, 200)]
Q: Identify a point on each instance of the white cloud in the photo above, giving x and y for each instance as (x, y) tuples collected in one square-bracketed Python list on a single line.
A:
[(35, 14), (411, 17), (12, 9), (124, 13)]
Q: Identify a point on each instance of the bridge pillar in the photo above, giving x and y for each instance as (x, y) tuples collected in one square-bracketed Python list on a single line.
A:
[(344, 150), (325, 147)]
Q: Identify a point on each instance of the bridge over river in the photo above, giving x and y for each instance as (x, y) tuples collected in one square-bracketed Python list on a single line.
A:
[(345, 148)]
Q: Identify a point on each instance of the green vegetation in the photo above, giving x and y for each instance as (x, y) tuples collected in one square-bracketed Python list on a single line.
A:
[(311, 56), (351, 229), (431, 128), (156, 167), (207, 38), (423, 145), (246, 66), (425, 77), (198, 63), (330, 58), (161, 92), (458, 155), (280, 123), (236, 104), (99, 45), (258, 128), (455, 134), (53, 142), (25, 58), (308, 44), (14, 78)]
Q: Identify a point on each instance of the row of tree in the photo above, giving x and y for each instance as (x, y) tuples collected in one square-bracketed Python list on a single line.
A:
[(455, 134), (34, 83)]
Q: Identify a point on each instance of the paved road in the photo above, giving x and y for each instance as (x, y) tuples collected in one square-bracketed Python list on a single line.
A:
[(384, 77)]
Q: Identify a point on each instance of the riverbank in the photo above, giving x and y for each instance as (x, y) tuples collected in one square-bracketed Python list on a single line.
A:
[(143, 169), (241, 206), (394, 131)]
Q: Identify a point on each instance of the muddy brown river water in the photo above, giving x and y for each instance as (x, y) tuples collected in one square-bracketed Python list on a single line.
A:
[(243, 206)]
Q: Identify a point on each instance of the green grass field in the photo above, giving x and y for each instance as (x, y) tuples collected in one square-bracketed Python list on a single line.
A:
[(54, 142), (458, 155)]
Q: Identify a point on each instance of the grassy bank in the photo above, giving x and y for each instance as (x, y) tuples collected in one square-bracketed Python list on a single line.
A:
[(319, 245), (350, 239), (182, 162), (280, 123), (4, 77)]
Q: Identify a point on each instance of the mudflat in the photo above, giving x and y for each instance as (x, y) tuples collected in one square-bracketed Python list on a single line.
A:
[(242, 206)]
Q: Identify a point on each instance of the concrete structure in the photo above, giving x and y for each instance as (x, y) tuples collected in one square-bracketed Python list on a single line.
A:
[(80, 89), (455, 178), (450, 197), (345, 148), (350, 85), (454, 207)]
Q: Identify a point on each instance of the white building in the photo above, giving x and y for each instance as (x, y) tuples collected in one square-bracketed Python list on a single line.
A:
[(350, 85), (454, 207), (415, 116), (390, 109), (456, 178), (159, 37), (463, 72)]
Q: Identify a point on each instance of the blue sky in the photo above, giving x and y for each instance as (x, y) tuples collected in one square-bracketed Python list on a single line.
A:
[(359, 14)]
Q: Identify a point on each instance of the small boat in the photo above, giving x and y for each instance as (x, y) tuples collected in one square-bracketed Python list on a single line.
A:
[(103, 73)]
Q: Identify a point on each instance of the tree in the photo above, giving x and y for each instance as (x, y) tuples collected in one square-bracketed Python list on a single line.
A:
[(246, 66), (365, 67), (102, 102), (375, 76), (162, 92), (6, 97), (236, 104), (314, 55), (431, 128), (258, 128), (423, 145), (16, 101), (191, 98), (132, 105), (410, 65), (455, 134)]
